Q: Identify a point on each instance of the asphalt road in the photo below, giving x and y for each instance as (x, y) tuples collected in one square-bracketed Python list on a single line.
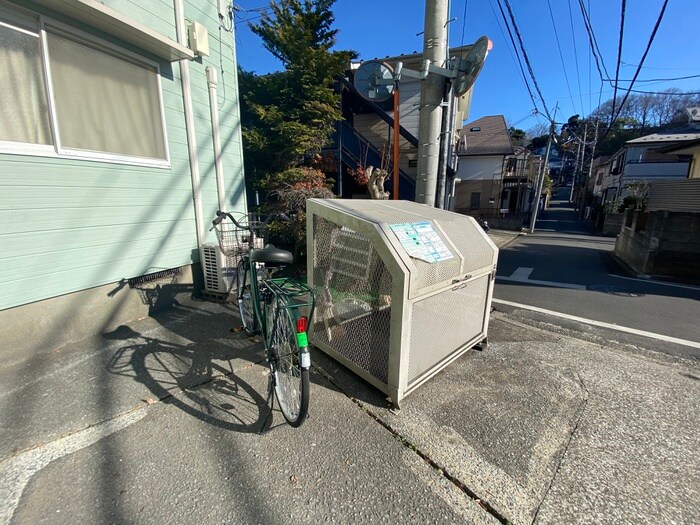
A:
[(565, 267)]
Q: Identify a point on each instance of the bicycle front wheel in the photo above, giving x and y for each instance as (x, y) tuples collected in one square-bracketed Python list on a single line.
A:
[(244, 288), (291, 381)]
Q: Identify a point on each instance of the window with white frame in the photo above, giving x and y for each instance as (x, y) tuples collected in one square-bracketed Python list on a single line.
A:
[(66, 93)]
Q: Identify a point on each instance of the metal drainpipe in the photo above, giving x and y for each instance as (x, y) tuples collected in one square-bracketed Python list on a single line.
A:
[(216, 135), (189, 124), (445, 144)]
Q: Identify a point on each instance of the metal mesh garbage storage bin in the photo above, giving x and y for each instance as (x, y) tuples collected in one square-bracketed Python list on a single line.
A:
[(402, 289)]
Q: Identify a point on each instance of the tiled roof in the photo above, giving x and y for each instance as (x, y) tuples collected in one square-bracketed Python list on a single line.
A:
[(485, 136)]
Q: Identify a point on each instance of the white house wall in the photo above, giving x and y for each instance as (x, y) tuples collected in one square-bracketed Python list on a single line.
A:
[(480, 168)]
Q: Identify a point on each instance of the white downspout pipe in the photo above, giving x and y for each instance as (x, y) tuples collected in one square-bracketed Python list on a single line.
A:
[(216, 135), (189, 124)]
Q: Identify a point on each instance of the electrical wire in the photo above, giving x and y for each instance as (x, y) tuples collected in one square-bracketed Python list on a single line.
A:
[(657, 79), (623, 6), (526, 58), (561, 55), (590, 68), (593, 42), (464, 22), (639, 68), (515, 49), (595, 50), (671, 94)]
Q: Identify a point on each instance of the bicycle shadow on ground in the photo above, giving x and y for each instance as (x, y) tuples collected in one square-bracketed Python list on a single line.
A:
[(196, 370)]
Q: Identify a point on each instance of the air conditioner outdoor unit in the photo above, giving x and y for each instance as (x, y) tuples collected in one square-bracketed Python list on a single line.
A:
[(219, 269)]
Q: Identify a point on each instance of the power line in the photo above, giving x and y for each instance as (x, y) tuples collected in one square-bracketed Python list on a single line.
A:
[(657, 79), (561, 55), (515, 49), (626, 64), (644, 56), (595, 50), (526, 58), (578, 71), (593, 42), (464, 21), (619, 52), (670, 94), (639, 68)]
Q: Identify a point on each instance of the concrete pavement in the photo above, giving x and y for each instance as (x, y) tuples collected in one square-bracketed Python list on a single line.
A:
[(159, 422)]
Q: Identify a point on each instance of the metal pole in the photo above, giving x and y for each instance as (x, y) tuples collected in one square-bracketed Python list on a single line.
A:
[(540, 180), (582, 211), (445, 145), (397, 101), (573, 178), (583, 160), (212, 83), (432, 91)]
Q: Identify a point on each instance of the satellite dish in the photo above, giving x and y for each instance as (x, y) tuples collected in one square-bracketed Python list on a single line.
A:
[(374, 81), (469, 67)]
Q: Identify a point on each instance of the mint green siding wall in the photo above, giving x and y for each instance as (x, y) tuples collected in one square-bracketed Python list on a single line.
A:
[(68, 225)]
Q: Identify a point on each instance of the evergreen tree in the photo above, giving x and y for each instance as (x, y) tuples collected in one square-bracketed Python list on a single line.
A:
[(288, 116)]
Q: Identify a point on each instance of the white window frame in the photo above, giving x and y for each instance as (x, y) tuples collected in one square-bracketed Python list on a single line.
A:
[(56, 150)]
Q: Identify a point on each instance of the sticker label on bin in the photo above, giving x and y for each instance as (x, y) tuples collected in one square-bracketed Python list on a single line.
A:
[(421, 241)]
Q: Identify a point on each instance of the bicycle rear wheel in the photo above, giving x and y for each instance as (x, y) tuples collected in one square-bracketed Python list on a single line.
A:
[(291, 381), (244, 294)]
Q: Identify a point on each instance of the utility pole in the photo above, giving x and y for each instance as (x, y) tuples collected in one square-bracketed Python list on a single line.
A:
[(573, 176), (540, 180), (579, 166), (590, 172), (431, 95)]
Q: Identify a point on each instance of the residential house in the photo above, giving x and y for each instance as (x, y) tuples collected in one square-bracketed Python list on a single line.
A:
[(483, 147), (664, 239), (519, 179), (118, 142), (600, 168), (687, 148), (659, 156), (365, 136)]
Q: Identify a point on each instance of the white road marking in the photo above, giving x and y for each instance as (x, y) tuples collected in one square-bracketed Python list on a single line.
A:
[(16, 471), (601, 324), (652, 281), (522, 275)]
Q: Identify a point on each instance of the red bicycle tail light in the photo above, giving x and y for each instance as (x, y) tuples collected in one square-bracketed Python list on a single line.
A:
[(302, 324)]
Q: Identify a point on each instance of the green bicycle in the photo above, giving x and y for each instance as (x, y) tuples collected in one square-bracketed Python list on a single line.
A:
[(278, 308)]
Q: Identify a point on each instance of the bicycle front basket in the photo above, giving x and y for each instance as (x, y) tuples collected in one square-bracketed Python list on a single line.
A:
[(235, 241)]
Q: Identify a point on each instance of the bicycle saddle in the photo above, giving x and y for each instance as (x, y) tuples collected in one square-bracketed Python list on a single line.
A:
[(270, 254)]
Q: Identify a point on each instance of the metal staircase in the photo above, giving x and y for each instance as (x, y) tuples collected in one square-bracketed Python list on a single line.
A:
[(356, 151)]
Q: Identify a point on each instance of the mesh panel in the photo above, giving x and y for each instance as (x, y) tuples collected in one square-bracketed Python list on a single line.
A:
[(476, 251), (443, 323), (353, 297), (429, 274)]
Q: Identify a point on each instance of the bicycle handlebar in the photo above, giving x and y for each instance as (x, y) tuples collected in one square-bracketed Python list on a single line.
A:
[(221, 215)]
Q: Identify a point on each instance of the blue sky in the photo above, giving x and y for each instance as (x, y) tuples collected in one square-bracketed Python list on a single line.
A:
[(381, 28)]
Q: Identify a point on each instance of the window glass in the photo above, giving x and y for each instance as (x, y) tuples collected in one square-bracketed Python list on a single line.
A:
[(24, 111), (105, 103)]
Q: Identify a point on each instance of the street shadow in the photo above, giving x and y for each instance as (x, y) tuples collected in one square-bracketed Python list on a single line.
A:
[(594, 268), (195, 372)]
